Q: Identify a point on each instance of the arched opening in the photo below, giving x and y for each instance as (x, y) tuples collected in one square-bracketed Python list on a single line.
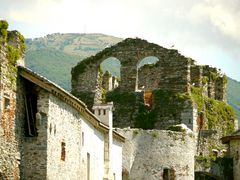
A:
[(108, 78), (146, 74), (110, 69)]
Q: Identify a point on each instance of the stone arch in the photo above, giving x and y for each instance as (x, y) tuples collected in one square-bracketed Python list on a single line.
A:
[(173, 66), (108, 77), (148, 73)]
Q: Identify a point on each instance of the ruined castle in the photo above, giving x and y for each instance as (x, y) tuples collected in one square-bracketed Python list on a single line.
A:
[(151, 100), (162, 120)]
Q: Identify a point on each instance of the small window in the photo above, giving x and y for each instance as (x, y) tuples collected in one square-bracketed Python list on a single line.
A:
[(166, 174), (6, 102), (169, 174), (88, 166), (104, 112), (63, 151), (82, 138), (99, 112)]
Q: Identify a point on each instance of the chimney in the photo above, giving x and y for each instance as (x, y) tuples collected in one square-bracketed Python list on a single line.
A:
[(104, 113)]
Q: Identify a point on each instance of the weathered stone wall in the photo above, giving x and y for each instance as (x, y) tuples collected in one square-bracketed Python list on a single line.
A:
[(149, 76), (130, 52), (61, 124), (34, 156), (146, 153), (10, 125), (235, 154), (196, 75)]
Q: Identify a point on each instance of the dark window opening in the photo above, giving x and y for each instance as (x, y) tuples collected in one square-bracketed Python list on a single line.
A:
[(30, 101), (104, 112), (63, 151), (82, 138), (88, 166), (6, 102), (166, 174), (99, 112), (169, 174)]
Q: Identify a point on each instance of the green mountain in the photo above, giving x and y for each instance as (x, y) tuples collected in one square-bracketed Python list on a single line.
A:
[(233, 95), (54, 55)]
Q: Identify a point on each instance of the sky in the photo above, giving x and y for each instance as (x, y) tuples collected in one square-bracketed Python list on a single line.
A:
[(208, 31)]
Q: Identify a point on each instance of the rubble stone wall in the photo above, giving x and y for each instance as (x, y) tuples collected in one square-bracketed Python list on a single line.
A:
[(146, 153)]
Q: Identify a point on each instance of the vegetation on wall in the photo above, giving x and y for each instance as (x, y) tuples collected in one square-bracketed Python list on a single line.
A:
[(218, 113), (14, 52), (3, 30)]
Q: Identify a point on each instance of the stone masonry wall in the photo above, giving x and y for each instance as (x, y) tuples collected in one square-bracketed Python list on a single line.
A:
[(235, 154), (146, 153), (63, 126), (130, 52), (10, 125), (34, 156)]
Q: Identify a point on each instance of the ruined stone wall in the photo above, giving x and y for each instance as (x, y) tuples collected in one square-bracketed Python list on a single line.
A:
[(149, 76), (11, 128), (146, 153), (173, 66)]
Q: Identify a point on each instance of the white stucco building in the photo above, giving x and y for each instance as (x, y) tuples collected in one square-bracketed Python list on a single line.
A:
[(64, 140)]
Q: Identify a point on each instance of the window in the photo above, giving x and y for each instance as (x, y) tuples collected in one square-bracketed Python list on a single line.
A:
[(82, 138), (30, 101), (166, 174), (99, 112), (88, 166), (6, 102), (63, 151), (169, 174), (104, 112)]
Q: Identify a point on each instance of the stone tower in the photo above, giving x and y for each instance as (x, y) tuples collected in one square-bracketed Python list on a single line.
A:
[(11, 53)]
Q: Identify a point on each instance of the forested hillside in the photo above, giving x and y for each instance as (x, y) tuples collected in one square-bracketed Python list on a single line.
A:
[(54, 55)]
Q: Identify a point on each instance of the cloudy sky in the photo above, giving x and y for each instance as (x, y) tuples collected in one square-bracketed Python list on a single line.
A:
[(206, 30)]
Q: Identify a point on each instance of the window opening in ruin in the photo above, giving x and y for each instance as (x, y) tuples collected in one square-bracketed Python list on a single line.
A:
[(99, 112), (88, 166), (63, 151), (148, 98), (6, 102), (111, 73), (104, 112), (82, 138), (144, 76), (30, 101)]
